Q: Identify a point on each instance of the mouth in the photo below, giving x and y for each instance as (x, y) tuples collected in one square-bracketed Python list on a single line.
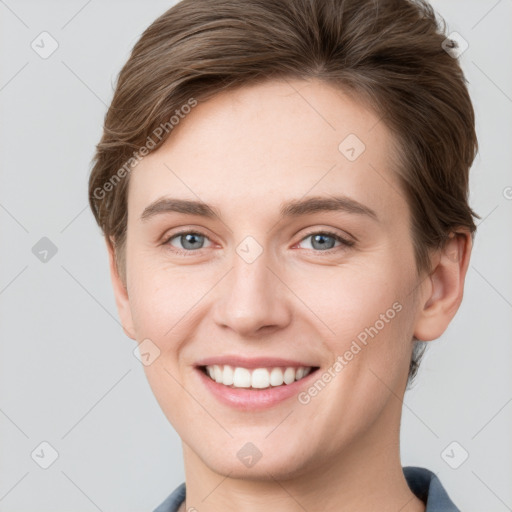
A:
[(256, 383), (261, 378)]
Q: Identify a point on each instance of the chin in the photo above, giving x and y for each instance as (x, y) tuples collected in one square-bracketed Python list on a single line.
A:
[(265, 464)]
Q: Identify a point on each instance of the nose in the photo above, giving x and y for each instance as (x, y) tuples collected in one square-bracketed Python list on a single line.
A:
[(252, 299)]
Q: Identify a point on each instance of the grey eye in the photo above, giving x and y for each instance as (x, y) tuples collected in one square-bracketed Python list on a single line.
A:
[(189, 240), (323, 241)]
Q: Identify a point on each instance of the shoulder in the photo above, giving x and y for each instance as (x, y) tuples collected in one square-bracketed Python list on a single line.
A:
[(427, 487), (173, 501)]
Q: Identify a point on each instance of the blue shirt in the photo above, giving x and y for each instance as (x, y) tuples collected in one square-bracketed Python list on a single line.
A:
[(422, 482)]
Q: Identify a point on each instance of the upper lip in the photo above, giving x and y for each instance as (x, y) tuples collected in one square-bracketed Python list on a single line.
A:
[(256, 362)]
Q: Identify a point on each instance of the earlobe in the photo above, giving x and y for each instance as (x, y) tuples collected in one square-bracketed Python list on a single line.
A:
[(444, 287), (120, 293)]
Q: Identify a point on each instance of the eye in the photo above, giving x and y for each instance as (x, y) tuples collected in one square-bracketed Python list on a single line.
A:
[(323, 241), (188, 241)]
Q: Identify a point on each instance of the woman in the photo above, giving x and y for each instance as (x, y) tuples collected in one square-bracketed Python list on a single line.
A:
[(283, 191)]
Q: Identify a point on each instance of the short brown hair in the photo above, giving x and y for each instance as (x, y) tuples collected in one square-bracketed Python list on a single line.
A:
[(387, 54)]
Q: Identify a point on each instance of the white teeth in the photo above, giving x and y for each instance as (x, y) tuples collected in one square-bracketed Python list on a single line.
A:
[(217, 373), (276, 377), (259, 378), (241, 378), (289, 375), (227, 376)]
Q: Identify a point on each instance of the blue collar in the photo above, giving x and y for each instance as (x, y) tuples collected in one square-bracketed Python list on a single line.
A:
[(422, 482), (428, 488)]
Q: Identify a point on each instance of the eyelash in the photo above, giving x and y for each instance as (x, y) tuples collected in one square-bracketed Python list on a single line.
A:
[(344, 242)]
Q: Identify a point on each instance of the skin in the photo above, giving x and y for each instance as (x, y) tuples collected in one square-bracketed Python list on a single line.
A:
[(245, 152)]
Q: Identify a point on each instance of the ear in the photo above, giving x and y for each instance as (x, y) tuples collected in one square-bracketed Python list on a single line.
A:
[(443, 289), (120, 293)]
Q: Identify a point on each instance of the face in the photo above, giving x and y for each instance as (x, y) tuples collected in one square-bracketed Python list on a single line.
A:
[(303, 259)]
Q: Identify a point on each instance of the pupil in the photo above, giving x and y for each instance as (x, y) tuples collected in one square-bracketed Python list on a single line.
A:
[(189, 239), (321, 240)]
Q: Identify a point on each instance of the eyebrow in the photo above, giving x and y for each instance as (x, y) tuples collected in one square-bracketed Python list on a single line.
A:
[(292, 208)]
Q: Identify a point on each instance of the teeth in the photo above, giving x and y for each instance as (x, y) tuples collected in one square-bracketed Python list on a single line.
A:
[(241, 378), (276, 377), (259, 378), (289, 375), (228, 375)]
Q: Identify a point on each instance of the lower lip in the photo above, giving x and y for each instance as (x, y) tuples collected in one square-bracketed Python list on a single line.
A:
[(253, 399)]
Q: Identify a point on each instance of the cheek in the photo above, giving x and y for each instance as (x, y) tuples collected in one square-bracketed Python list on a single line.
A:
[(372, 347), (349, 298), (148, 308), (162, 296), (366, 317)]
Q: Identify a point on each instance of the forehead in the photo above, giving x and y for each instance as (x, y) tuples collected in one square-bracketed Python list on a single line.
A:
[(261, 144)]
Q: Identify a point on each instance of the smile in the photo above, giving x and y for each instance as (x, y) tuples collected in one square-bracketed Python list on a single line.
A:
[(256, 378)]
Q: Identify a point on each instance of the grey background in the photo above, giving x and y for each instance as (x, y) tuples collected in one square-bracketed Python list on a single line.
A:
[(67, 372)]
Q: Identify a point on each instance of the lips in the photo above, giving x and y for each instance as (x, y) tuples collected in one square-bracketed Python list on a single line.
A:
[(249, 398), (256, 362), (255, 383)]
